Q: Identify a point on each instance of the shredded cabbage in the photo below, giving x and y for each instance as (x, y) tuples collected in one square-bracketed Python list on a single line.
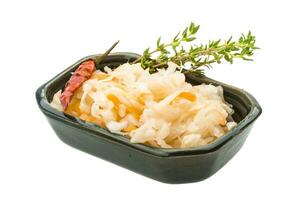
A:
[(159, 109)]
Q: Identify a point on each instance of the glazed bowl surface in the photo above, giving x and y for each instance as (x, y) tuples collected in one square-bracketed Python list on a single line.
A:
[(165, 165)]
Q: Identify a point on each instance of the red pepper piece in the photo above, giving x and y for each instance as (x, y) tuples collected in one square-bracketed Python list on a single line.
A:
[(81, 74)]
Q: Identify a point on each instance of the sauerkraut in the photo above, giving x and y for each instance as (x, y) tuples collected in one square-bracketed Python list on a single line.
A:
[(159, 109)]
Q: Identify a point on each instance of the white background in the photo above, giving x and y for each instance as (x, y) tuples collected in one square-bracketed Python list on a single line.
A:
[(38, 39)]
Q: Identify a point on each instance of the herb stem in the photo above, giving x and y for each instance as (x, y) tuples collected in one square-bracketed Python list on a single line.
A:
[(197, 56)]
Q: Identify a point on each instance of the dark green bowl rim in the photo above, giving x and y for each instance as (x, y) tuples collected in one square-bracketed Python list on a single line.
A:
[(102, 133)]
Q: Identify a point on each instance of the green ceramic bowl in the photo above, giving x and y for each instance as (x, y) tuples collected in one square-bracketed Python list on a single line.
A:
[(165, 165)]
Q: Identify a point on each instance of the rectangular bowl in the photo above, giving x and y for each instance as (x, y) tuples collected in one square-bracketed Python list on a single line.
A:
[(165, 165)]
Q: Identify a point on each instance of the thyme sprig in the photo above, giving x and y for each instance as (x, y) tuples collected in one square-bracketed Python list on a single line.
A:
[(196, 57)]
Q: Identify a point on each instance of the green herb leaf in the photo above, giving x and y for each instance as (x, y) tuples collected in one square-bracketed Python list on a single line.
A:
[(197, 56)]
